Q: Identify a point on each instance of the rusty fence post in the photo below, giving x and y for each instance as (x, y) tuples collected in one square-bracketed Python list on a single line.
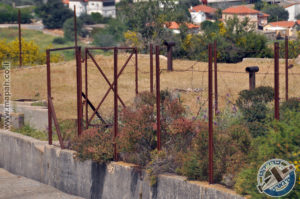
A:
[(216, 77), (157, 51), (86, 89), (136, 72), (75, 26), (151, 68), (49, 96), (20, 38), (79, 89), (210, 114), (276, 79), (115, 101), (286, 68)]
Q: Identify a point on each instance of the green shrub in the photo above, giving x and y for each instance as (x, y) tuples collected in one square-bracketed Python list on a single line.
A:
[(59, 40), (253, 105), (9, 14), (281, 141), (227, 160), (68, 27), (94, 144), (292, 104)]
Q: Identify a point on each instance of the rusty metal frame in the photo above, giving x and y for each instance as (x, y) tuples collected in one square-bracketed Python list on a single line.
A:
[(51, 110), (210, 116), (276, 80), (216, 77), (158, 127), (286, 68), (111, 85), (20, 38)]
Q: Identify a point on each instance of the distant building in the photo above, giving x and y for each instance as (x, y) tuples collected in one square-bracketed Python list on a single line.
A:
[(201, 13), (284, 28), (105, 7), (262, 20), (256, 18), (224, 3), (175, 27), (294, 10)]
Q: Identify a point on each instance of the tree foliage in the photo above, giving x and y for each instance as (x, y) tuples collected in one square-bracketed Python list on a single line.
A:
[(53, 14), (68, 27), (111, 35), (235, 41), (94, 18), (9, 14), (277, 13)]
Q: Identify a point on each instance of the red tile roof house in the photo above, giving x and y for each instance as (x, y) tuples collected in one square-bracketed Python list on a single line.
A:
[(284, 28), (201, 13), (174, 27), (256, 17)]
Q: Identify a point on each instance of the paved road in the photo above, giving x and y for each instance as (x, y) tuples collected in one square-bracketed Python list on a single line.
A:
[(18, 187), (36, 26)]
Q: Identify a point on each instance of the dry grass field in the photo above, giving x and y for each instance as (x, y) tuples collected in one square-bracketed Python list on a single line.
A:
[(31, 82)]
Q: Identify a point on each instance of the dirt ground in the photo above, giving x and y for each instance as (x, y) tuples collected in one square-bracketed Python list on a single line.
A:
[(190, 80)]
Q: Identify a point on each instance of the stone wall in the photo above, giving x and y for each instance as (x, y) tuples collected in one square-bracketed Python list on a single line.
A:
[(37, 160)]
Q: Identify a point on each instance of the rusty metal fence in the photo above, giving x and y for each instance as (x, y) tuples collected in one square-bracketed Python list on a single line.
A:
[(83, 97)]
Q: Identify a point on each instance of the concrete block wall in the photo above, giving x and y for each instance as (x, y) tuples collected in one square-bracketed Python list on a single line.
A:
[(35, 116), (37, 160)]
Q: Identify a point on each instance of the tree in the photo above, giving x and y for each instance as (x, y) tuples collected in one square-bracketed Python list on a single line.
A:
[(53, 14), (111, 35), (259, 5), (69, 29), (9, 14), (277, 13), (298, 17)]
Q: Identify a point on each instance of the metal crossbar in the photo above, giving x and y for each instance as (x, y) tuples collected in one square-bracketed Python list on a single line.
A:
[(58, 132), (111, 85)]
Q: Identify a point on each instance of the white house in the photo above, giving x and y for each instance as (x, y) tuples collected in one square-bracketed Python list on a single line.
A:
[(294, 10), (287, 28), (201, 13), (105, 7)]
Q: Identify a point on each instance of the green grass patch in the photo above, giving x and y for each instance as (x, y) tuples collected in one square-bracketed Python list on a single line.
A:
[(44, 41), (28, 131), (38, 103)]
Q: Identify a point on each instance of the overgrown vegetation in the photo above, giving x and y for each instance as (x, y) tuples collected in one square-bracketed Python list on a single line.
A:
[(68, 28), (31, 53), (184, 139), (236, 40), (253, 105), (276, 12), (280, 141), (53, 14), (8, 14), (29, 131)]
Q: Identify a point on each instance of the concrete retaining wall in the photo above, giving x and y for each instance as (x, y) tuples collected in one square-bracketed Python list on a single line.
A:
[(35, 116), (263, 60), (37, 160)]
